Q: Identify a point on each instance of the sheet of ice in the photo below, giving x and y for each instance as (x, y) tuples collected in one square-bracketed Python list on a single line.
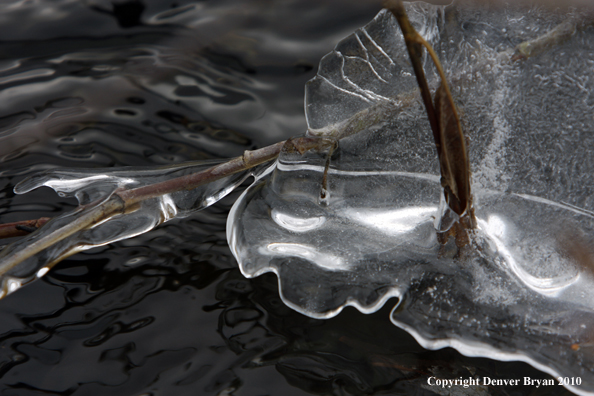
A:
[(523, 289)]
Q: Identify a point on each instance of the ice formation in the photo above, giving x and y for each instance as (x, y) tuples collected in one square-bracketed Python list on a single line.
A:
[(92, 188), (523, 289)]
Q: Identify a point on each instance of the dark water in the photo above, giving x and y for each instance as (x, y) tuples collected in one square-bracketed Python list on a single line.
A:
[(99, 83)]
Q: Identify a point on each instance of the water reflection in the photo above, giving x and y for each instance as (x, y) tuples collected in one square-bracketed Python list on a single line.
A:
[(93, 326)]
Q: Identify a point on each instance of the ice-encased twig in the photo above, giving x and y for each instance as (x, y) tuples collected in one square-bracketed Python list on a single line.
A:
[(448, 136), (556, 36), (21, 228), (120, 203)]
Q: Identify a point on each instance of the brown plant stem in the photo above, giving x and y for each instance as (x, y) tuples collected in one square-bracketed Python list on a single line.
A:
[(415, 51), (554, 37), (248, 160), (122, 201), (21, 228), (444, 120)]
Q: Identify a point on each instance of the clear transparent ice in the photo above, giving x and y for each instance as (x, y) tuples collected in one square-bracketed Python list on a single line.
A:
[(523, 289), (92, 188)]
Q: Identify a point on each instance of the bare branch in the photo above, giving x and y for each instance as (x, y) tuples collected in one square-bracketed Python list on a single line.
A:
[(415, 51), (125, 201), (445, 122), (21, 228), (556, 36), (248, 160)]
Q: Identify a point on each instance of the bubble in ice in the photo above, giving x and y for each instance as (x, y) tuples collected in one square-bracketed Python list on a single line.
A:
[(355, 223)]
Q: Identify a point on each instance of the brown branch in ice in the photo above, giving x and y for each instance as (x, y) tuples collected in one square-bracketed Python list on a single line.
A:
[(21, 228), (123, 200), (445, 125)]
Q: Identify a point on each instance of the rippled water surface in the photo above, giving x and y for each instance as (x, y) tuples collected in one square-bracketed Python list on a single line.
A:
[(99, 83)]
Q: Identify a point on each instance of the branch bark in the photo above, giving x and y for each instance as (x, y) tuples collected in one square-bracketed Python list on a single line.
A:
[(450, 142), (123, 201), (21, 228)]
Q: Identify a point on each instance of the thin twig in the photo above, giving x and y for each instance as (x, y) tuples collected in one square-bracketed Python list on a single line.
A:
[(248, 160), (21, 228), (94, 216), (415, 52), (443, 117), (554, 37), (122, 201)]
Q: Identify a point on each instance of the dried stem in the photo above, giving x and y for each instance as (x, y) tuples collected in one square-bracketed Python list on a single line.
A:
[(107, 209), (21, 228), (248, 160), (556, 36), (444, 120), (122, 201), (415, 52)]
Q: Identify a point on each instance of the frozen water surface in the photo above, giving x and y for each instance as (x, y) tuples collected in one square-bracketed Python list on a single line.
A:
[(523, 288)]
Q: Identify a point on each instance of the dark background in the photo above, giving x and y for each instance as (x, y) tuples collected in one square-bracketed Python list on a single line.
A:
[(99, 83)]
